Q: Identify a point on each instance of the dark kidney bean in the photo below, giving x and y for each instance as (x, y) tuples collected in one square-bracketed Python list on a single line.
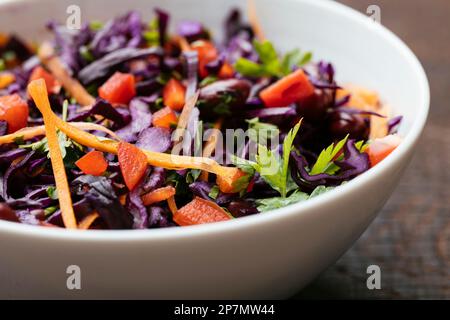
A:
[(314, 108), (242, 208), (232, 92), (342, 123), (6, 213)]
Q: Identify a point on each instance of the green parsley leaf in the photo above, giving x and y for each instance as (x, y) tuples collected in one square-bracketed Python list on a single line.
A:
[(222, 109), (245, 165), (320, 190), (270, 64), (289, 60), (208, 80), (249, 68), (361, 146), (214, 192), (2, 65), (287, 147), (9, 56), (260, 131), (307, 57), (268, 164), (52, 193), (296, 196), (19, 140), (152, 34), (96, 25), (50, 210), (294, 58), (280, 202), (272, 168), (179, 182), (86, 54), (265, 51), (192, 175), (325, 163)]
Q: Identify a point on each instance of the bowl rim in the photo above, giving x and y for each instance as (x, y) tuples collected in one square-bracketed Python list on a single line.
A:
[(302, 208)]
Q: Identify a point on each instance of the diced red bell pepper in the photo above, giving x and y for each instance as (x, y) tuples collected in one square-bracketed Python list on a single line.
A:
[(207, 53), (294, 87), (200, 211), (380, 148), (164, 118), (133, 164), (119, 89), (227, 184), (52, 84), (14, 110), (93, 163), (226, 71), (174, 94)]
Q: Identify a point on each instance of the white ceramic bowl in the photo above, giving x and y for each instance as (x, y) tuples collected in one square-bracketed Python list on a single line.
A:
[(270, 255)]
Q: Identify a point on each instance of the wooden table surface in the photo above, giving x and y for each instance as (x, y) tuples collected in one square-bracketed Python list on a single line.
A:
[(410, 239)]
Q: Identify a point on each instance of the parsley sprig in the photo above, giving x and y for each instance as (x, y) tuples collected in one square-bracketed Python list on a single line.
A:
[(270, 64), (272, 167), (70, 149), (325, 161), (297, 196)]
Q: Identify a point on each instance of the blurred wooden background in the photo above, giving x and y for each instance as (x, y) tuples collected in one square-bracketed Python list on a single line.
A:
[(410, 239)]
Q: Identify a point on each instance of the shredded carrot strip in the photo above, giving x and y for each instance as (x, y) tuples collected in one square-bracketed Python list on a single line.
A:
[(183, 43), (4, 38), (73, 87), (123, 199), (6, 79), (38, 91), (87, 221), (31, 132), (211, 146), (157, 159), (184, 116), (89, 126), (158, 195), (172, 204), (254, 22)]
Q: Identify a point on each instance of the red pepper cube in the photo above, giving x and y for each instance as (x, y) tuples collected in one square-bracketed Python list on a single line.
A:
[(119, 89), (14, 110)]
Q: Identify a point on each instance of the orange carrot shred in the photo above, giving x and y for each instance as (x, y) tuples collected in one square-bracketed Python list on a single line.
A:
[(158, 195), (172, 204), (254, 22), (87, 221), (31, 132), (38, 91), (184, 116), (157, 159), (182, 42), (6, 78), (210, 146), (73, 87)]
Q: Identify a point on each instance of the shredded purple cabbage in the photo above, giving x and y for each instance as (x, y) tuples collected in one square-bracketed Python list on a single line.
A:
[(154, 139), (141, 118)]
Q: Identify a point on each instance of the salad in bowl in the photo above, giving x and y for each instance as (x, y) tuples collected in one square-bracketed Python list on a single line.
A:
[(124, 125)]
